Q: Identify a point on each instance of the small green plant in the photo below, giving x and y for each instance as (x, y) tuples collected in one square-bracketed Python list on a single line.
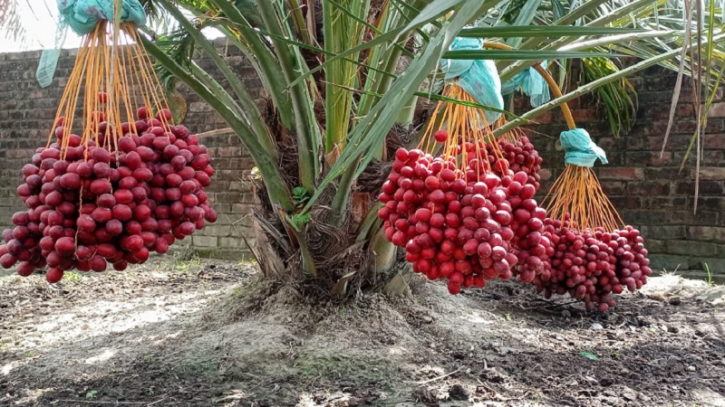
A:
[(300, 196), (589, 355), (73, 276), (709, 274), (184, 263), (180, 265), (91, 394), (299, 220), (248, 262)]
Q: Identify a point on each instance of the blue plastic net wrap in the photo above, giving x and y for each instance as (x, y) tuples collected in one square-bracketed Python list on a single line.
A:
[(82, 16), (580, 149), (477, 77), (531, 83)]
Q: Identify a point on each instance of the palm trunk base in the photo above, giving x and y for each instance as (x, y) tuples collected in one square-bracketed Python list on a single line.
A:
[(268, 259), (344, 265)]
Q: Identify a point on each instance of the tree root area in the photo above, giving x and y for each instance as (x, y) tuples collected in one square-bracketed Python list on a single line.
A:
[(210, 333)]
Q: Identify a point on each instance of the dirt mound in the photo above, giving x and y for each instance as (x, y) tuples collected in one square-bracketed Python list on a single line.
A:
[(202, 333)]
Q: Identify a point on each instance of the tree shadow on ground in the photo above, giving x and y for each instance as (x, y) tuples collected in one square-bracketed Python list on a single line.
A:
[(431, 349)]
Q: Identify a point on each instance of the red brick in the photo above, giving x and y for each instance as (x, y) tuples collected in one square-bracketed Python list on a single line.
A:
[(248, 198), (641, 218), (691, 248), (686, 217), (664, 173), (240, 208), (613, 187), (228, 197), (620, 173), (648, 188), (656, 128), (656, 246), (239, 186), (688, 127), (637, 143), (20, 154), (714, 141), (585, 115), (607, 143), (665, 232), (626, 202), (709, 173), (708, 157), (547, 117), (685, 110), (717, 110), (674, 142), (574, 104), (708, 233), (712, 188), (227, 152), (659, 202), (638, 158), (218, 185), (711, 203), (682, 110)]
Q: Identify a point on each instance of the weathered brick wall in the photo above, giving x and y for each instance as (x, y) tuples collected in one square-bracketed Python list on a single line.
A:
[(645, 184), (649, 190)]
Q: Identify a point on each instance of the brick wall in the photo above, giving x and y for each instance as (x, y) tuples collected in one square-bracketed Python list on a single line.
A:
[(649, 189), (647, 186)]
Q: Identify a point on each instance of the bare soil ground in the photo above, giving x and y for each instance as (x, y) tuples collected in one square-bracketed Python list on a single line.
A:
[(205, 333)]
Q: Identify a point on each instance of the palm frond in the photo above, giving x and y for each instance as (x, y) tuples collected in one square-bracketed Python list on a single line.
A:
[(619, 97)]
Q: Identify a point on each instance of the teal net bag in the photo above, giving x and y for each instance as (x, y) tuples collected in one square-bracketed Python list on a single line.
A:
[(479, 78), (580, 149), (531, 83), (82, 16)]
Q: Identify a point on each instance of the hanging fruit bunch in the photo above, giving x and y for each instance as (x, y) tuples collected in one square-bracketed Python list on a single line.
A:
[(451, 202), (532, 248), (129, 183), (518, 151), (595, 255), (519, 156)]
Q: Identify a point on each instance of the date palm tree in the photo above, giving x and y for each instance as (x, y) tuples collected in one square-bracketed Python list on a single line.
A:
[(342, 79)]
